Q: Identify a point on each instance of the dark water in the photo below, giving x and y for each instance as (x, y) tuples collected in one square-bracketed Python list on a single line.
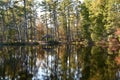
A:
[(67, 62)]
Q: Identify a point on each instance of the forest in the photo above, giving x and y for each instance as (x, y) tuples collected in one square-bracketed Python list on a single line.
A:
[(66, 21), (59, 39)]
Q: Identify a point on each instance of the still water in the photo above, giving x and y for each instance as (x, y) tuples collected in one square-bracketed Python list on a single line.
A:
[(66, 62)]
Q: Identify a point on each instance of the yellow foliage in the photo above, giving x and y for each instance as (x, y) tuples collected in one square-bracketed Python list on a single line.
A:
[(5, 1), (48, 1)]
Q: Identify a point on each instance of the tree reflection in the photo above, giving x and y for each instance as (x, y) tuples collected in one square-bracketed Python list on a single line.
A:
[(102, 66), (66, 62), (17, 62), (48, 65), (61, 63), (71, 63)]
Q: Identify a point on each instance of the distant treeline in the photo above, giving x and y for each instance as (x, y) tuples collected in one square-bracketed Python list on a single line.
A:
[(65, 20)]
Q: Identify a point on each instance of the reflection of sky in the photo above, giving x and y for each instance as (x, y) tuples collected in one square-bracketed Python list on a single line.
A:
[(46, 67), (118, 74)]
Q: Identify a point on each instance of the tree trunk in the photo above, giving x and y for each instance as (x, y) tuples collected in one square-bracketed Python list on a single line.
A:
[(25, 16)]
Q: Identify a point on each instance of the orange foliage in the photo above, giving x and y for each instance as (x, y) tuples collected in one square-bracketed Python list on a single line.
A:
[(40, 31), (40, 27), (117, 31), (117, 59)]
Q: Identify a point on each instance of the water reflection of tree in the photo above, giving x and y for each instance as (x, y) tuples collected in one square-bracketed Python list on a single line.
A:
[(97, 64), (48, 63), (67, 62), (61, 63), (17, 62), (85, 55), (71, 67)]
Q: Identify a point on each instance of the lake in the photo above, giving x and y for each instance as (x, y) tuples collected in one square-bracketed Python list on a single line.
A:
[(65, 62)]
